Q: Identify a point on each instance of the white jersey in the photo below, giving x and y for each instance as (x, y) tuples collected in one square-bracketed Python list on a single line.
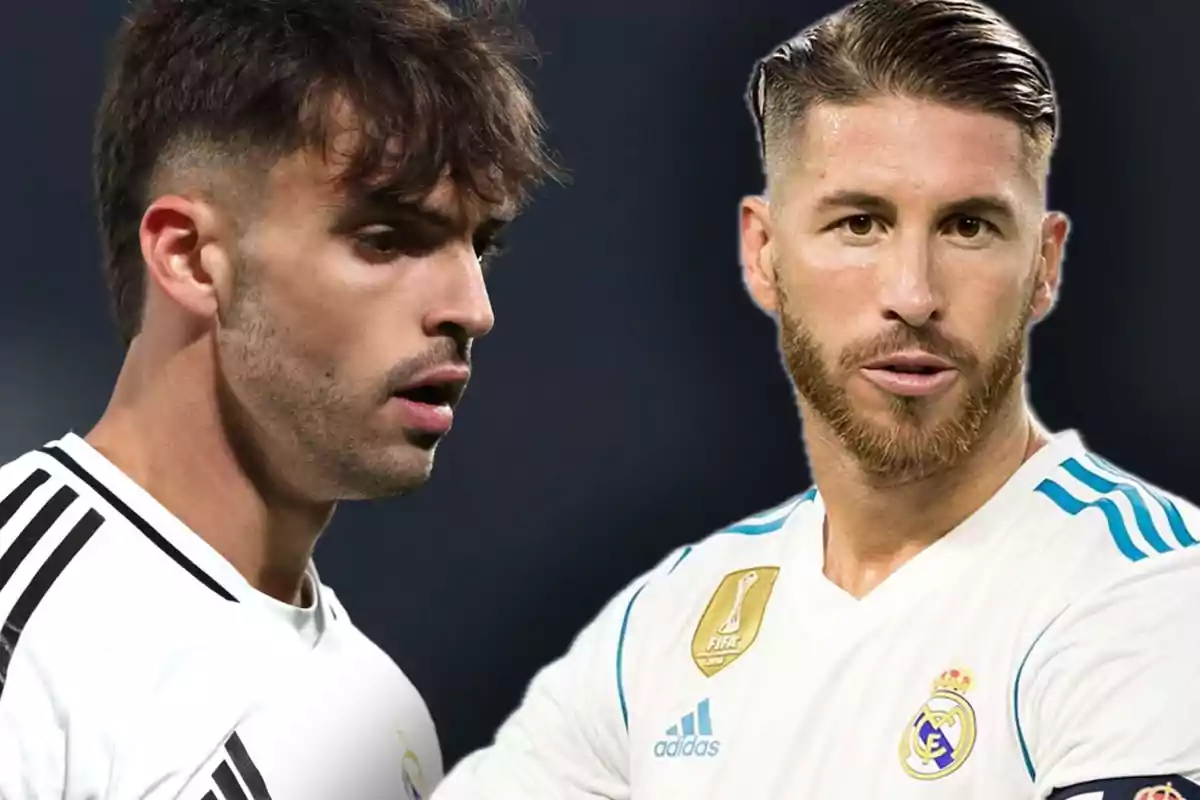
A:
[(135, 662), (1049, 641)]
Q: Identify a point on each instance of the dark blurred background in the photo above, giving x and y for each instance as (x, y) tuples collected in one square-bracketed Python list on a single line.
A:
[(630, 399)]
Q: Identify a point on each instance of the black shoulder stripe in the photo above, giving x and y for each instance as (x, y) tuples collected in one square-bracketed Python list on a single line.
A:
[(47, 574), (138, 522), (17, 497), (227, 782), (246, 768), (34, 531), (237, 764)]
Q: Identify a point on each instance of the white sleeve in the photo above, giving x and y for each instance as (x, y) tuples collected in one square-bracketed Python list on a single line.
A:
[(1111, 689), (568, 740), (32, 745)]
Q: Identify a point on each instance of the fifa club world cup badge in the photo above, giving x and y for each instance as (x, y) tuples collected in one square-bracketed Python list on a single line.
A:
[(942, 734), (1163, 792), (731, 621)]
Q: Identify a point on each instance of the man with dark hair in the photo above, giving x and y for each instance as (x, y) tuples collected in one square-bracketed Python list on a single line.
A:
[(965, 605), (295, 198)]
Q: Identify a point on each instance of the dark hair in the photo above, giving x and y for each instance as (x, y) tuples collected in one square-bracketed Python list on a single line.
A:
[(432, 93), (958, 52)]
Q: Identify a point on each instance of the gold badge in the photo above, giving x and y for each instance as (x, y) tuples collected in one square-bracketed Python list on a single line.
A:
[(1164, 792), (940, 737), (730, 623)]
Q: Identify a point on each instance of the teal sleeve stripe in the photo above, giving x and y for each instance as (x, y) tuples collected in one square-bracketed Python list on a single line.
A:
[(1112, 515), (1141, 513), (1016, 701), (620, 657), (686, 552), (759, 528), (1178, 527)]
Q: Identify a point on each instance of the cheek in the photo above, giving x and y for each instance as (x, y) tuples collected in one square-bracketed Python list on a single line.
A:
[(987, 300), (831, 290), (321, 298)]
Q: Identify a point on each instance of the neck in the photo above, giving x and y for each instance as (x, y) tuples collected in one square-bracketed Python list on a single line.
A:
[(871, 530), (165, 430)]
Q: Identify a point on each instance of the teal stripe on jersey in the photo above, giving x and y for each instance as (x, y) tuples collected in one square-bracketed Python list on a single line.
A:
[(687, 551), (1141, 513), (620, 657), (759, 528), (1073, 505), (1178, 527), (1016, 706)]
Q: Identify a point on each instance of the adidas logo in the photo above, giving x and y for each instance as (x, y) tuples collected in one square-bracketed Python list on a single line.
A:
[(691, 738)]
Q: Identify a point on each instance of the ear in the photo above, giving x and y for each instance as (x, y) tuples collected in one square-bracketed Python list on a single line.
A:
[(1055, 228), (757, 252), (180, 246)]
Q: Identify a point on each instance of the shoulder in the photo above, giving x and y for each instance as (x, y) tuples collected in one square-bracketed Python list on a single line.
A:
[(1098, 522), (755, 542), (1110, 682), (1103, 539), (91, 608), (663, 604)]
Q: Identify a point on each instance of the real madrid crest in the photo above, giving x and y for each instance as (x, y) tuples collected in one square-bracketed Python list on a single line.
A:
[(942, 734), (731, 621), (410, 773), (1162, 792)]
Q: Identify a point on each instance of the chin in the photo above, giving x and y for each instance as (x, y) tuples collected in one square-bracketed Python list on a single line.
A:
[(386, 473)]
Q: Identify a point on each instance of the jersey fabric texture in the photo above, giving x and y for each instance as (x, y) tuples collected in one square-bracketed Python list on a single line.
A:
[(136, 662), (1048, 641)]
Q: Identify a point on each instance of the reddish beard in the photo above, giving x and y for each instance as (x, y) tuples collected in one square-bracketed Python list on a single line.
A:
[(910, 447)]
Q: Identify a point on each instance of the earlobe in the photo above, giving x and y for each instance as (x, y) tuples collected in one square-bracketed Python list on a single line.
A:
[(757, 253), (1055, 228)]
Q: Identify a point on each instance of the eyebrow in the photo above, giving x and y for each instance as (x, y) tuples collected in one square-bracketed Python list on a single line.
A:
[(975, 206), (384, 207)]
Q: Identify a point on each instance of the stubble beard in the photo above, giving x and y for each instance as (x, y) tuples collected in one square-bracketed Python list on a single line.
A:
[(293, 423)]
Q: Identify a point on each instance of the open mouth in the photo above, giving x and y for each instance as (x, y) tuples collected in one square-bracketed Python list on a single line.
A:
[(432, 394), (428, 407)]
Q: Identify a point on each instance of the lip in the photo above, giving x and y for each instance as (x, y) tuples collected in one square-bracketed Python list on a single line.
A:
[(425, 417), (886, 373), (448, 374), (911, 384), (430, 417), (910, 359)]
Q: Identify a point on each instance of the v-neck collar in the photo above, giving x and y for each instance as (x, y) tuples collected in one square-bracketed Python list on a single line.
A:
[(953, 552)]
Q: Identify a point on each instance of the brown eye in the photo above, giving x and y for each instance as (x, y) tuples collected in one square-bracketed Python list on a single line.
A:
[(381, 244), (968, 227), (860, 224)]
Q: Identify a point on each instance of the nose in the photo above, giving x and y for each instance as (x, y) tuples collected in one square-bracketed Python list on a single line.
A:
[(908, 289), (463, 309)]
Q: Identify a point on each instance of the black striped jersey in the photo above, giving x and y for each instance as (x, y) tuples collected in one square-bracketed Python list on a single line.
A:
[(136, 662), (1048, 646)]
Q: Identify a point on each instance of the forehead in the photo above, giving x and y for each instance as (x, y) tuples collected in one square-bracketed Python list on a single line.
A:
[(309, 178), (893, 146)]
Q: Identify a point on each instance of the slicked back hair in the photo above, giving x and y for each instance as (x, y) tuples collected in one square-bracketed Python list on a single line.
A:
[(433, 94), (958, 52)]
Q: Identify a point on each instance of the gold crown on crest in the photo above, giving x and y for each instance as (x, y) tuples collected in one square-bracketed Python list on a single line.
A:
[(954, 680)]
